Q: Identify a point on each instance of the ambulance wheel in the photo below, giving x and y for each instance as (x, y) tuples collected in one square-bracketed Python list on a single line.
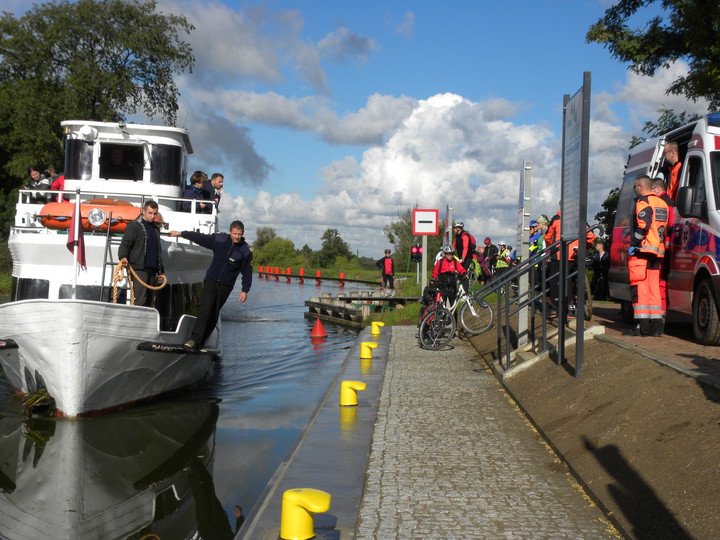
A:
[(706, 324)]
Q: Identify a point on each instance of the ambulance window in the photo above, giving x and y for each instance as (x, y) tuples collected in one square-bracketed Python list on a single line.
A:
[(715, 174), (696, 180)]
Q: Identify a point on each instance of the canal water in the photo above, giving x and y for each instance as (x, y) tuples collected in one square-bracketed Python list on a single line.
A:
[(178, 467)]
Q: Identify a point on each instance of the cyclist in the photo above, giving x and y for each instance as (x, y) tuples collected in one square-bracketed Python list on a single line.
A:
[(464, 244), (446, 272)]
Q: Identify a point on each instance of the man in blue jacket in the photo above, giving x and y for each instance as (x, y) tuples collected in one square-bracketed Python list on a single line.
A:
[(231, 257)]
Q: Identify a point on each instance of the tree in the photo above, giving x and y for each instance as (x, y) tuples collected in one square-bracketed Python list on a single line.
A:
[(606, 217), (263, 235), (667, 121), (686, 30), (276, 252), (333, 246), (86, 59)]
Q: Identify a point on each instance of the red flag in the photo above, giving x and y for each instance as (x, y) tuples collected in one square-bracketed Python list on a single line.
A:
[(75, 237)]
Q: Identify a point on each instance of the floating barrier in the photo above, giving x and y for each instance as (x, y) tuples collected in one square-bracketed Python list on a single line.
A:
[(318, 330)]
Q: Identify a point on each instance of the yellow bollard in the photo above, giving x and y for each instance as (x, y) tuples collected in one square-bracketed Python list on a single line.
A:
[(298, 505), (366, 348), (375, 328), (348, 392)]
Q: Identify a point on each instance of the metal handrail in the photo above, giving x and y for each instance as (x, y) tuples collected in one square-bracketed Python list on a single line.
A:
[(540, 283)]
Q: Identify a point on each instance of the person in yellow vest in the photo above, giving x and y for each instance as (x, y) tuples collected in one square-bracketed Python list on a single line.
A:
[(504, 259), (646, 252)]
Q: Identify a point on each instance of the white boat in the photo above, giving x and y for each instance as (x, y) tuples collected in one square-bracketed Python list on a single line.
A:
[(61, 330), (140, 473)]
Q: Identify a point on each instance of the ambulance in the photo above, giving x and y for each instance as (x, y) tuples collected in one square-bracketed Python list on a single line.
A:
[(694, 235)]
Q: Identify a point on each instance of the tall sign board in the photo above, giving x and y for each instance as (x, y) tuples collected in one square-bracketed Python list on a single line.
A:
[(576, 145)]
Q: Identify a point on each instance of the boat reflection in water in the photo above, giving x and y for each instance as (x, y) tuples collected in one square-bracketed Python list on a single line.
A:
[(145, 472)]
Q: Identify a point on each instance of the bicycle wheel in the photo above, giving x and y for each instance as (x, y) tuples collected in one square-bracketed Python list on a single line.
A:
[(436, 329), (475, 316)]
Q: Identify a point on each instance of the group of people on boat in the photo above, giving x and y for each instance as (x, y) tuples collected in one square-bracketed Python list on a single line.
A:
[(202, 189)]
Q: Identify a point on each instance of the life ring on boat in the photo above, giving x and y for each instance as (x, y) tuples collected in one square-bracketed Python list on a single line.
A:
[(57, 215)]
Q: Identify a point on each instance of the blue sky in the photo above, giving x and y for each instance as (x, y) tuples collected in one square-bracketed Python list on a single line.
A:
[(342, 114)]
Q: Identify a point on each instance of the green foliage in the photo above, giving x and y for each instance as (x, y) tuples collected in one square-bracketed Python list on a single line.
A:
[(86, 59), (667, 121), (687, 30), (333, 246), (277, 252), (606, 217), (263, 235)]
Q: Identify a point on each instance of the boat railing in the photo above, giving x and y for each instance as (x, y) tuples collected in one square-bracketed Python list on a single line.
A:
[(29, 208)]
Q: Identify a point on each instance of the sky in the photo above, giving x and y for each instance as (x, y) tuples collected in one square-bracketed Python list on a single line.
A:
[(343, 114)]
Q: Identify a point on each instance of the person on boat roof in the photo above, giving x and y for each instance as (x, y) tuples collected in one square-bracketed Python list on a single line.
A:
[(140, 249), (231, 257), (197, 191)]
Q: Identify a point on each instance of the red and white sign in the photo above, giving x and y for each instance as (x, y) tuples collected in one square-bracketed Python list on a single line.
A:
[(425, 222)]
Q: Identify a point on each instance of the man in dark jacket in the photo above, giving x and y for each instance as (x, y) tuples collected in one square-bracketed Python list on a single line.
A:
[(140, 248), (231, 257)]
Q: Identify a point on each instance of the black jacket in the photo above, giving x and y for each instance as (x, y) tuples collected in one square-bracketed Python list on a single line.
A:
[(229, 259), (134, 242)]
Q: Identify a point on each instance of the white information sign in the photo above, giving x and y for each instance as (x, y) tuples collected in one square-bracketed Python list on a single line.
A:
[(425, 222)]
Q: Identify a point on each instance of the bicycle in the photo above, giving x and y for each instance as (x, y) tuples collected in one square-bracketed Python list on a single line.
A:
[(474, 315), (437, 319)]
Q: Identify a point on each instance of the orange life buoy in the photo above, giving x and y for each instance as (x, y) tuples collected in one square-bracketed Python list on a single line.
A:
[(57, 215)]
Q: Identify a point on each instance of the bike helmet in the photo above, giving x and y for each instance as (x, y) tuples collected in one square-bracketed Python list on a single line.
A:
[(448, 249), (502, 243), (458, 225), (533, 223)]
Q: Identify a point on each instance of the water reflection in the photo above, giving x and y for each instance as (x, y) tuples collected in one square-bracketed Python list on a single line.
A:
[(137, 472), (126, 475)]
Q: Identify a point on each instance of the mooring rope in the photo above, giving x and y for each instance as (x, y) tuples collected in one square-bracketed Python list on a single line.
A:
[(119, 274)]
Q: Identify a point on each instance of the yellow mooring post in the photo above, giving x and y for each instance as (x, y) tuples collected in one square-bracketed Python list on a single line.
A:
[(348, 392), (298, 505), (366, 348), (375, 328)]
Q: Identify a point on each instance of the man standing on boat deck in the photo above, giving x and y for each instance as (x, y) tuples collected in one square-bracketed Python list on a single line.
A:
[(231, 257), (140, 248)]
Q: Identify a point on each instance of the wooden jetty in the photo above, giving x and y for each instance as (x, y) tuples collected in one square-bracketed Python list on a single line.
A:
[(352, 309)]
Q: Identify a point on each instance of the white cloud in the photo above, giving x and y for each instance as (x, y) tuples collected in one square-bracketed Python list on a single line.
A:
[(407, 26), (370, 125), (445, 152)]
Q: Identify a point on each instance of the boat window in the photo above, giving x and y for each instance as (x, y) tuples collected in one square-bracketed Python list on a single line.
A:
[(78, 159), (121, 161), (28, 289), (92, 292), (166, 165)]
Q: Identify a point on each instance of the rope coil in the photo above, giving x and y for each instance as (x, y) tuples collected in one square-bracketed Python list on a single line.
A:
[(119, 274)]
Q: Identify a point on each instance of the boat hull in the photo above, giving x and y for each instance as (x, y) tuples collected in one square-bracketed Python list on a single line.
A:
[(94, 356)]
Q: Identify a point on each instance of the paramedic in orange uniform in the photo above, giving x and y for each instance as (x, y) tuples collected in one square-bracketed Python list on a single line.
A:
[(646, 252), (672, 157)]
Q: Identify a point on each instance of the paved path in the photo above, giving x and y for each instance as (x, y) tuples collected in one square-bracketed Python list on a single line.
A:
[(453, 457), (436, 450)]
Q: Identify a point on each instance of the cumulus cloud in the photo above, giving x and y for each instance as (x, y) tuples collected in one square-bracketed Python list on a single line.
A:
[(449, 150)]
